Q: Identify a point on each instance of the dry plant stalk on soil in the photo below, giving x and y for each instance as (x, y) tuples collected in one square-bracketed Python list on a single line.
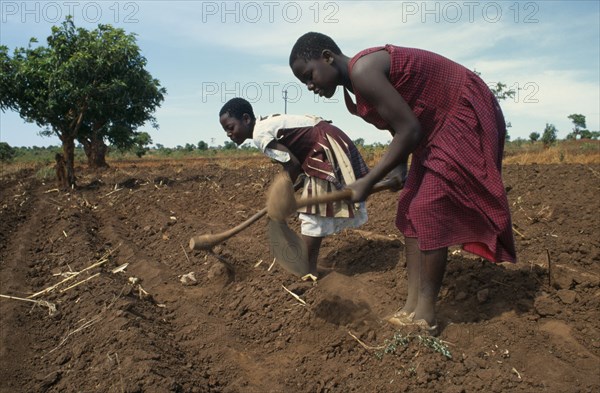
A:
[(100, 262)]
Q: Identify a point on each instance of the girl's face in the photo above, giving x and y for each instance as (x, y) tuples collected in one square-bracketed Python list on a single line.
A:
[(237, 130), (318, 75)]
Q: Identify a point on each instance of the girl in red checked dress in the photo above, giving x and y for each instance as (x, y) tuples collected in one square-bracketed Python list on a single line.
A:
[(448, 119)]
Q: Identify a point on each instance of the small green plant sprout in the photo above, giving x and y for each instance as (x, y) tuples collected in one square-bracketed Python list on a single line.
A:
[(436, 344), (402, 340), (398, 339)]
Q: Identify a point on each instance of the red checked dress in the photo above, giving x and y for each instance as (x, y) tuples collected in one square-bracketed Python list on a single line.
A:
[(454, 192)]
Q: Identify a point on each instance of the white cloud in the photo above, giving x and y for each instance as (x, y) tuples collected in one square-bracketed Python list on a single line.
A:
[(550, 99)]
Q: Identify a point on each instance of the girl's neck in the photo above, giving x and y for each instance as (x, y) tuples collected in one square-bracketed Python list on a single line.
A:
[(344, 76)]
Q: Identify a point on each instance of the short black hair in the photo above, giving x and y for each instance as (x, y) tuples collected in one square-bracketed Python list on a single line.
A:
[(311, 45), (236, 107)]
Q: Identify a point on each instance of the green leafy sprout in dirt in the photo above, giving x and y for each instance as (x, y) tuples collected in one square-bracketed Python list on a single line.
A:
[(402, 340)]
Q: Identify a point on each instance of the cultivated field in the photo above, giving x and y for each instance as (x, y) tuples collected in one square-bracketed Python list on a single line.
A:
[(107, 266)]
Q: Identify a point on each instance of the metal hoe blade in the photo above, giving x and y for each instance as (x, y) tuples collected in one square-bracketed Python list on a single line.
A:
[(288, 248)]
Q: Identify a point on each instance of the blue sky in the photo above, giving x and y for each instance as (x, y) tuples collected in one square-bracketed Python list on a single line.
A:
[(206, 53)]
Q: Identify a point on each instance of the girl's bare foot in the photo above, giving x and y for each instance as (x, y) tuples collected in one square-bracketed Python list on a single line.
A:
[(401, 318), (414, 325)]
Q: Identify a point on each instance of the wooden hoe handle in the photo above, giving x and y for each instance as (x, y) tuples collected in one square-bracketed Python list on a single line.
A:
[(206, 242), (341, 195)]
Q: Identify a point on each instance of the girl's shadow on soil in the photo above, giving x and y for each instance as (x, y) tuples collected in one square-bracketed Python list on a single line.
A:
[(341, 311), (475, 290), (364, 256)]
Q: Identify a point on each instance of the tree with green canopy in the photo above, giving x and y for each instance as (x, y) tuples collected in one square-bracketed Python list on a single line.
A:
[(139, 144), (549, 135), (89, 86), (7, 152), (534, 136), (202, 145), (229, 145), (578, 125)]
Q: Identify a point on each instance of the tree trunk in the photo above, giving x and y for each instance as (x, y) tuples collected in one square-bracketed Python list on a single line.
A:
[(67, 136), (68, 146), (95, 151)]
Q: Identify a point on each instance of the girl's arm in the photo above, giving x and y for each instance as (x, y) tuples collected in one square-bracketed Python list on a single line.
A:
[(370, 79)]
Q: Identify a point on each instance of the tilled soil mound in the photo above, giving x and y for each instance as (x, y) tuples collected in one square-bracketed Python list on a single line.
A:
[(100, 292)]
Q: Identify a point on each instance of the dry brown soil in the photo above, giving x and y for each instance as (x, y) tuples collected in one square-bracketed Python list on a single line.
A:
[(529, 327)]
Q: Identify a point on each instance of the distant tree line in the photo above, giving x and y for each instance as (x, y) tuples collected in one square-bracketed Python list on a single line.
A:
[(91, 89), (549, 135), (46, 153)]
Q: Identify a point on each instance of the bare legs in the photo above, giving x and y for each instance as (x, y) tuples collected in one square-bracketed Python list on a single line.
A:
[(313, 244), (425, 274), (413, 269)]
